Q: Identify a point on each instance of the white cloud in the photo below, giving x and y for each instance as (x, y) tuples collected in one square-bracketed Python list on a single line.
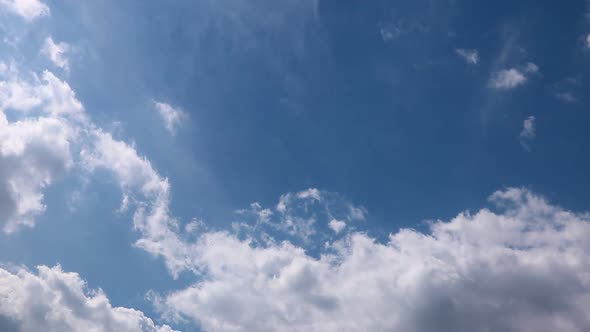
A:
[(470, 56), (171, 116), (46, 135), (507, 79), (132, 171), (528, 133), (356, 212), (18, 95), (145, 190), (33, 153), (587, 40), (337, 225), (29, 93), (60, 98), (531, 68), (57, 301), (34, 150), (312, 193), (57, 53), (28, 9), (524, 268)]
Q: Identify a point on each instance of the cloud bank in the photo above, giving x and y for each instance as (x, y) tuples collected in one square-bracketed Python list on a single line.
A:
[(522, 268)]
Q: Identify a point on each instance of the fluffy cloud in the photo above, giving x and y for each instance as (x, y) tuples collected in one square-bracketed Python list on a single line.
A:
[(470, 56), (33, 153), (28, 9), (44, 133), (48, 94), (528, 133), (511, 78), (507, 79), (57, 53), (522, 268), (171, 116), (54, 300), (34, 150)]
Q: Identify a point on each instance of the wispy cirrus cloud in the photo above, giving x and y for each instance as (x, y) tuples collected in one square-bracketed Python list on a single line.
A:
[(171, 116), (477, 272)]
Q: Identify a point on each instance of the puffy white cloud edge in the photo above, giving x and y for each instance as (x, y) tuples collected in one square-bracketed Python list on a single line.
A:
[(524, 267), (36, 143), (56, 301)]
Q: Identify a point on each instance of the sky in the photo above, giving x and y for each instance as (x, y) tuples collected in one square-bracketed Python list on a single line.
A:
[(294, 165)]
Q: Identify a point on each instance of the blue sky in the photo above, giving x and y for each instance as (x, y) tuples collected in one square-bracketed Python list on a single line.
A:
[(225, 165)]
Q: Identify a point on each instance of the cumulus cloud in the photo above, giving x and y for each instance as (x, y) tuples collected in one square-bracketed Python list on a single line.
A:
[(57, 53), (48, 94), (171, 116), (522, 268), (528, 133), (507, 79), (56, 301), (49, 132), (27, 9), (470, 56), (587, 40), (33, 153), (34, 150)]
